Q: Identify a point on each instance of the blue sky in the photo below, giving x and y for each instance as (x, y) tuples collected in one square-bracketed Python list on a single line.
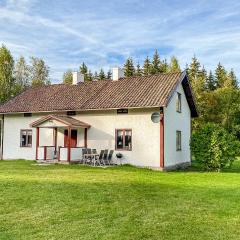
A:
[(104, 33)]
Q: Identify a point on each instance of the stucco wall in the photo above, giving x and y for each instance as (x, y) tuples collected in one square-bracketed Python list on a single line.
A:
[(101, 135), (174, 121), (13, 123)]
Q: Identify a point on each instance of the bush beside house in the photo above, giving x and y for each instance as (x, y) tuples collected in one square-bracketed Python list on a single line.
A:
[(213, 147)]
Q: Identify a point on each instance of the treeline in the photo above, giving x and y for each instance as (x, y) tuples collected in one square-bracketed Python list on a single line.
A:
[(216, 92), (88, 75), (217, 96), (16, 76), (150, 66)]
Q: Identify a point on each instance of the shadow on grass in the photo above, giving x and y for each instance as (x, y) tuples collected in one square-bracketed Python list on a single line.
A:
[(197, 167)]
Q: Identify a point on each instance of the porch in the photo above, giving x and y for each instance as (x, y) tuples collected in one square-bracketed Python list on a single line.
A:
[(65, 132)]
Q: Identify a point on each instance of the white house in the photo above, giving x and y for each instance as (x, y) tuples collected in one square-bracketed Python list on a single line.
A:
[(147, 119)]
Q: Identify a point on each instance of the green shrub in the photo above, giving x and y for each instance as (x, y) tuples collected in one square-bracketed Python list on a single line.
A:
[(213, 147)]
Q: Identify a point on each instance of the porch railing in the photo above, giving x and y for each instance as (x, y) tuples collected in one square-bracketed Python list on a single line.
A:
[(75, 155), (46, 152)]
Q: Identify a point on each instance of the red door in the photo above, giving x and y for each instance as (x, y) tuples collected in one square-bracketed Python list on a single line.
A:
[(73, 142)]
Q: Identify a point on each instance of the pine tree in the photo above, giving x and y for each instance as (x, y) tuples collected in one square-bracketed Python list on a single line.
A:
[(202, 78), (39, 72), (164, 68), (210, 82), (109, 74), (220, 76), (84, 70), (90, 76), (147, 67), (197, 77), (6, 74), (138, 70), (67, 77), (96, 77), (101, 75), (231, 80), (129, 69), (194, 69), (174, 65), (156, 63)]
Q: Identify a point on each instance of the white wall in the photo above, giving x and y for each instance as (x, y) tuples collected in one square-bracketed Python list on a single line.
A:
[(145, 134), (101, 135), (174, 121), (13, 123)]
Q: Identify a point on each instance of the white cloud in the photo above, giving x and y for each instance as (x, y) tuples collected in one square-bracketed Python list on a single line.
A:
[(103, 34)]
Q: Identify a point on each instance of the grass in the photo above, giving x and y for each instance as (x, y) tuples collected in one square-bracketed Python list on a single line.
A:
[(77, 202)]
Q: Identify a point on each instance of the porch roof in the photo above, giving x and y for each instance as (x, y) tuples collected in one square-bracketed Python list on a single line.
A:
[(66, 120)]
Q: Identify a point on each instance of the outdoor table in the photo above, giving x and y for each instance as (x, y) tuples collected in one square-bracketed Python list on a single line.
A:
[(93, 156)]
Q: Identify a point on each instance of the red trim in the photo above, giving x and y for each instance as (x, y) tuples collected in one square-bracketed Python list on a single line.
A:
[(124, 130), (37, 142), (69, 145), (44, 119), (85, 137), (55, 139), (161, 140)]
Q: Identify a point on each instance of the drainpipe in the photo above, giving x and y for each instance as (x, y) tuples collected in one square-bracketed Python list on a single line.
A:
[(162, 138), (2, 136)]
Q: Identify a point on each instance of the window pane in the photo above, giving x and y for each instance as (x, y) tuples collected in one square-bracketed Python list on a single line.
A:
[(178, 105), (26, 138), (178, 140), (128, 139), (24, 132), (29, 140), (119, 139), (23, 140)]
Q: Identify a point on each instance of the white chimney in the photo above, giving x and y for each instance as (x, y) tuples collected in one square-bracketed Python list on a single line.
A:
[(77, 78), (117, 73)]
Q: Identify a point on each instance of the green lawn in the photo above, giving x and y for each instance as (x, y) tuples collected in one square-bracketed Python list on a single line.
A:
[(76, 202)]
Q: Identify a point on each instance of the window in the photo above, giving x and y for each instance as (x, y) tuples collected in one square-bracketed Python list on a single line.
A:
[(27, 114), (123, 139), (178, 141), (71, 113), (26, 138), (179, 103)]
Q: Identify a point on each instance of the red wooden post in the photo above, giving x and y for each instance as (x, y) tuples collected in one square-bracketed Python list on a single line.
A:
[(37, 142), (85, 137), (55, 139), (69, 145), (161, 140)]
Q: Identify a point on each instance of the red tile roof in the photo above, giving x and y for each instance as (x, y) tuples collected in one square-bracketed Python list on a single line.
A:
[(144, 91)]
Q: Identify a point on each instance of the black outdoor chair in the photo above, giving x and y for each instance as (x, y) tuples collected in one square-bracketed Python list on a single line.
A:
[(89, 151), (110, 157), (88, 159), (105, 157), (84, 151), (99, 159)]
